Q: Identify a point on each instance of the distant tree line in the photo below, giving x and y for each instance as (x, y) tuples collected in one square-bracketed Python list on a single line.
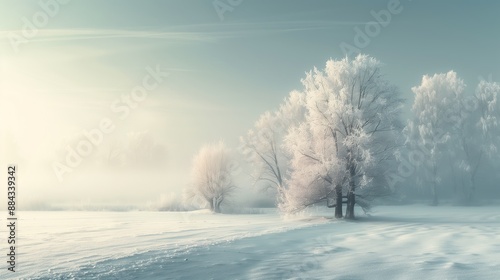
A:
[(337, 141)]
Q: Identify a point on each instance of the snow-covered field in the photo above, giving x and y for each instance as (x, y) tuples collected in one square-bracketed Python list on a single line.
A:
[(395, 242)]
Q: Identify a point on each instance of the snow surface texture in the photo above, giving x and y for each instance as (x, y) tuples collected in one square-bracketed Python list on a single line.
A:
[(396, 242)]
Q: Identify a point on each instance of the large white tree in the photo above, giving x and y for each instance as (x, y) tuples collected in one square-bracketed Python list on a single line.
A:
[(212, 178), (351, 124)]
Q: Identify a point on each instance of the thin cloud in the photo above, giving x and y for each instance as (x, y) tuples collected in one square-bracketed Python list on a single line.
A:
[(241, 29), (199, 32), (87, 34)]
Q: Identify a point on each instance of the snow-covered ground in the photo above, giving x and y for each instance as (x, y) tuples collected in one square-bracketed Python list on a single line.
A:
[(395, 242)]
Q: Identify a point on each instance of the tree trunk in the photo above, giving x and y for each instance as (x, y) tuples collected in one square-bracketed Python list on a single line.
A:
[(454, 177), (351, 196), (435, 201), (351, 201), (215, 205), (473, 180), (217, 208), (470, 198), (338, 206)]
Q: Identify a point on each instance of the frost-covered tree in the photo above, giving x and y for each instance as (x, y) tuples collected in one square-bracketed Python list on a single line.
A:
[(437, 100), (487, 94), (351, 123), (318, 173), (263, 144), (478, 134), (450, 124), (212, 178)]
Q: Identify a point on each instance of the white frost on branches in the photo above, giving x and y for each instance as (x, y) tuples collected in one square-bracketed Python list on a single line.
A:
[(212, 179), (350, 129)]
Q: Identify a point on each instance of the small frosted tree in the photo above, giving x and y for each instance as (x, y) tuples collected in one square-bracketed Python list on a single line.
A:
[(212, 179)]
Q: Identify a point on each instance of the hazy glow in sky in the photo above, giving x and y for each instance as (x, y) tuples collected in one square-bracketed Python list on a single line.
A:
[(222, 76)]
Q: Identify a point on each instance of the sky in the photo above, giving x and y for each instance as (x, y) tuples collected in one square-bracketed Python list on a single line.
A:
[(216, 66)]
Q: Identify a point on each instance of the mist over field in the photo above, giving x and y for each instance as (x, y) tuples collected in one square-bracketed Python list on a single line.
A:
[(249, 140)]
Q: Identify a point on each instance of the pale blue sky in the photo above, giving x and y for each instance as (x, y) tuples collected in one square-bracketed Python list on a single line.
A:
[(224, 74)]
